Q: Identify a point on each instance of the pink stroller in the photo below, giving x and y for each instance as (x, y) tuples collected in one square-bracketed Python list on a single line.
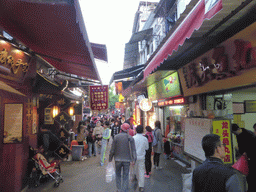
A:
[(47, 168)]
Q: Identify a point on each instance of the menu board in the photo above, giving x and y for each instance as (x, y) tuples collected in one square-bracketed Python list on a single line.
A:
[(195, 130), (13, 123)]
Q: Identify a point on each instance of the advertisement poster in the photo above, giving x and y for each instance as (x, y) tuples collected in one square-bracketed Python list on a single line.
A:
[(167, 87), (99, 97), (13, 123), (222, 128)]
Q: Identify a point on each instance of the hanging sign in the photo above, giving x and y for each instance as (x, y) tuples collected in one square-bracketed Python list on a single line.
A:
[(99, 97), (62, 118), (222, 128)]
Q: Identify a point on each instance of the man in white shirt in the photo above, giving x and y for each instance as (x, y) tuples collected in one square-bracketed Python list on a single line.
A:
[(141, 145)]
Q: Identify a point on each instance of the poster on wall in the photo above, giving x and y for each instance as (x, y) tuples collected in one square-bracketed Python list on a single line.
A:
[(13, 115), (222, 128), (195, 130), (48, 119)]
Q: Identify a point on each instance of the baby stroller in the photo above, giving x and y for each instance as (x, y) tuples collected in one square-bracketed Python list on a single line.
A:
[(44, 169)]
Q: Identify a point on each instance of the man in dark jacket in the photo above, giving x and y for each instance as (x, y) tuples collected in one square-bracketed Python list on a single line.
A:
[(124, 151), (213, 175), (246, 140)]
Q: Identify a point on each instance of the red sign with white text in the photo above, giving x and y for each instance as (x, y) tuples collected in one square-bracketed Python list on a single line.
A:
[(99, 97), (176, 101)]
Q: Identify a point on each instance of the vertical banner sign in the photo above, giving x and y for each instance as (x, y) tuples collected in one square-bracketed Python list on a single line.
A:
[(222, 128), (99, 97)]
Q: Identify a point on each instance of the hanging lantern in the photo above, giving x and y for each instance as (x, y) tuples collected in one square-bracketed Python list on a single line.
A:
[(71, 111), (55, 111)]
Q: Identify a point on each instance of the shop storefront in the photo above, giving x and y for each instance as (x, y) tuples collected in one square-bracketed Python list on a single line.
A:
[(163, 91), (18, 114), (175, 112), (223, 79)]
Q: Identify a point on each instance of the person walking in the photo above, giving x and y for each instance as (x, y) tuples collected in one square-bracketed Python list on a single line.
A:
[(90, 141), (124, 152), (246, 141), (81, 133), (97, 134), (141, 144), (158, 148), (148, 163), (212, 175), (81, 136), (115, 129), (105, 137)]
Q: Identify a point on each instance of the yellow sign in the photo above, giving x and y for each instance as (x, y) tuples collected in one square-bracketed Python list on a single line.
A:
[(222, 128)]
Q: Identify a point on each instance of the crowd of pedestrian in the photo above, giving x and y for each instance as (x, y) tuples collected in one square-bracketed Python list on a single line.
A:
[(131, 146)]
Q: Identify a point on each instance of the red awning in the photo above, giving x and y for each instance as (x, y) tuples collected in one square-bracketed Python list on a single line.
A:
[(54, 30), (192, 22)]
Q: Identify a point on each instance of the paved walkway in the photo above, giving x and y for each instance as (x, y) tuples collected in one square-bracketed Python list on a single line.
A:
[(89, 176)]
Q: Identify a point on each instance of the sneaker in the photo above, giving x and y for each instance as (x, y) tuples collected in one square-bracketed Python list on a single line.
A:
[(154, 167), (141, 189), (159, 167), (101, 164), (149, 173), (146, 176)]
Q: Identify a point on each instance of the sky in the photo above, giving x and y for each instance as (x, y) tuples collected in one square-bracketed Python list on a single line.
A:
[(110, 22)]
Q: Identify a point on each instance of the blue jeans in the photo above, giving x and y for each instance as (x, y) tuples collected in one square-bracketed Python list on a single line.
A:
[(122, 180), (104, 144), (90, 146)]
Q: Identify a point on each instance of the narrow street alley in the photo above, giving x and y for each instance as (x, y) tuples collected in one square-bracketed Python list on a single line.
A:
[(89, 176)]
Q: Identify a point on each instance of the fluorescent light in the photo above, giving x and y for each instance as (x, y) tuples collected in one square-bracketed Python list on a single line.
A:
[(176, 107)]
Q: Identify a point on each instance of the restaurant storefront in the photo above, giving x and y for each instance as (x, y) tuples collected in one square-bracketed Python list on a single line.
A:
[(27, 39), (223, 80)]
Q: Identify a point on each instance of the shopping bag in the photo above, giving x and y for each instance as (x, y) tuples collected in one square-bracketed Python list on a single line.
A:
[(187, 182), (132, 173), (110, 172), (242, 165)]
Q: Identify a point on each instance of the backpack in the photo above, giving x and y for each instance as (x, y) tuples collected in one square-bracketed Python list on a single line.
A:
[(154, 143), (149, 137)]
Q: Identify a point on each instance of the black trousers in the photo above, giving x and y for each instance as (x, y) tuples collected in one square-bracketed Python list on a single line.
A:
[(167, 148), (251, 176), (156, 159), (148, 163)]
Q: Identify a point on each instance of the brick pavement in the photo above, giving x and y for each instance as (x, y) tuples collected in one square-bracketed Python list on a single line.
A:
[(89, 176)]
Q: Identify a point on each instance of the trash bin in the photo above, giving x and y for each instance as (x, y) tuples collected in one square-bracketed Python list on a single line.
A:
[(77, 152)]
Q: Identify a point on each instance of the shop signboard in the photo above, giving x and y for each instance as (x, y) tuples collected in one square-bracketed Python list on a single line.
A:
[(174, 101), (99, 97), (165, 88), (231, 64), (62, 118), (222, 128), (14, 63), (145, 104)]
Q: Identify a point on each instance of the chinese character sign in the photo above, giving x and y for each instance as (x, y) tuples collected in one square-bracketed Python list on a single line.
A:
[(222, 128), (99, 97)]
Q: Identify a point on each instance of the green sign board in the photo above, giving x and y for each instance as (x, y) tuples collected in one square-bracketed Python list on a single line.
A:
[(165, 88)]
